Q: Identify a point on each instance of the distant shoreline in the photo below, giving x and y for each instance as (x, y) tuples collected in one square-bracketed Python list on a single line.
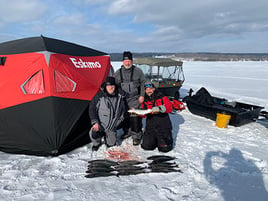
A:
[(200, 56)]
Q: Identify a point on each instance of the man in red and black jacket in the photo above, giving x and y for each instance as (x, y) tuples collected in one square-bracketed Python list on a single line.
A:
[(158, 130)]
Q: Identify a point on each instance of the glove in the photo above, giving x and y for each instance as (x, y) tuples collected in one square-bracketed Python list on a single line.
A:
[(162, 108), (155, 110)]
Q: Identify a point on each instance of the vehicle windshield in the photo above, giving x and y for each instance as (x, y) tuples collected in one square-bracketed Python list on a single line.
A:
[(162, 73)]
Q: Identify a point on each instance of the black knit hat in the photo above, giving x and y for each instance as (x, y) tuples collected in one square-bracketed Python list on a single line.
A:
[(127, 56), (110, 81)]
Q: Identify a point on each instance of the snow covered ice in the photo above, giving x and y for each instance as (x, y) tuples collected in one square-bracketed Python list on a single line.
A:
[(218, 164)]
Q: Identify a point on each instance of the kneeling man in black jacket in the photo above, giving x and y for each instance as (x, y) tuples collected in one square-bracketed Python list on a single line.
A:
[(107, 110)]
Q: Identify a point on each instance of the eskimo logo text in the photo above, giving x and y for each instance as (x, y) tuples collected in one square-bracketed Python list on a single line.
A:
[(85, 64)]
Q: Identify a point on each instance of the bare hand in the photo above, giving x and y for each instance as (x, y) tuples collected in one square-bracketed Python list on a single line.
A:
[(141, 99), (96, 127)]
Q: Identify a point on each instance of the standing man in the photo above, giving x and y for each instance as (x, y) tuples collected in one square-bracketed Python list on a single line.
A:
[(158, 131), (131, 80), (107, 110)]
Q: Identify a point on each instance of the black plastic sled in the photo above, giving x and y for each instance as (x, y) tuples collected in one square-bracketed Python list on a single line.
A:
[(205, 105)]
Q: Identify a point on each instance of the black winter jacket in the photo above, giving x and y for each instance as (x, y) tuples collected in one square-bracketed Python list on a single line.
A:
[(107, 110)]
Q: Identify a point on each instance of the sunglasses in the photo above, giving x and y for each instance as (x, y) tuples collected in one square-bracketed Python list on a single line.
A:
[(148, 85)]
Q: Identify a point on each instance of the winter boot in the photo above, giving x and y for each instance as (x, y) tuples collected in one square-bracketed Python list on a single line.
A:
[(96, 147), (96, 140), (136, 141)]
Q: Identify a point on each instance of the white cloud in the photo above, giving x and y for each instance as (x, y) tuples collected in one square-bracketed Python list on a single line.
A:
[(76, 19), (21, 10), (120, 7), (90, 2), (207, 15), (144, 25)]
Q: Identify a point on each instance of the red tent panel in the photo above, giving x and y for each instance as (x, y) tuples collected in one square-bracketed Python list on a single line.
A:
[(35, 84), (27, 77), (63, 83)]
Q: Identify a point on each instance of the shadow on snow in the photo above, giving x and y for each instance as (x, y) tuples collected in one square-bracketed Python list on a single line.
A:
[(176, 119), (237, 178)]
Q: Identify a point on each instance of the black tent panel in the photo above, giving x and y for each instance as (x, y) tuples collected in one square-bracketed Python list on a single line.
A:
[(63, 47), (41, 43), (78, 136), (50, 126)]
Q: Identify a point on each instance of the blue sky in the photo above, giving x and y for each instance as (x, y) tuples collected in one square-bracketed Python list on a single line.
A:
[(227, 26)]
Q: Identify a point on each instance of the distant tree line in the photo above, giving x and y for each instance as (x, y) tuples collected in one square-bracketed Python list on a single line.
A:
[(118, 56), (200, 56)]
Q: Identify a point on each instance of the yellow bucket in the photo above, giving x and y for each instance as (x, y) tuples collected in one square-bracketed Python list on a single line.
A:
[(222, 120)]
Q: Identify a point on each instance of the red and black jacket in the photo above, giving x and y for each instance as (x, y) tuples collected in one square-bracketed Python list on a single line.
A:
[(160, 120)]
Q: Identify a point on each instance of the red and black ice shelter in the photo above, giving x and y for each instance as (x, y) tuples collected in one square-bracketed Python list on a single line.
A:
[(45, 87)]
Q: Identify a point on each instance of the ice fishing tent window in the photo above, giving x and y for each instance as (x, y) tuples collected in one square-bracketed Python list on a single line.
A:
[(2, 61), (63, 83), (35, 84)]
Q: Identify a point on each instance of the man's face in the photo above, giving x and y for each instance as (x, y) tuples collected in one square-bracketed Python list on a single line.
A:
[(110, 89), (149, 90), (127, 63)]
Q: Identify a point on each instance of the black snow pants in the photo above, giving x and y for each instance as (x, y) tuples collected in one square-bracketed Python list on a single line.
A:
[(155, 138)]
